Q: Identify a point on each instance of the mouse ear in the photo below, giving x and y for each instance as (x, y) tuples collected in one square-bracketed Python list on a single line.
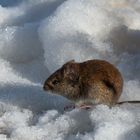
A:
[(71, 61), (71, 71)]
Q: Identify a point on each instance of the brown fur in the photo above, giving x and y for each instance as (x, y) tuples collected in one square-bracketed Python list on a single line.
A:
[(90, 82)]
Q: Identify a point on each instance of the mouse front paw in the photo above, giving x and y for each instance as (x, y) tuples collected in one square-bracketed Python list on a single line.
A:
[(84, 106)]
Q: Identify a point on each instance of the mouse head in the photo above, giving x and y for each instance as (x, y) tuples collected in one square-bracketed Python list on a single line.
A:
[(65, 81)]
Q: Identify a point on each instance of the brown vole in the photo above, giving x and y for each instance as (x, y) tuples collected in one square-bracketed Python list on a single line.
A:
[(90, 82)]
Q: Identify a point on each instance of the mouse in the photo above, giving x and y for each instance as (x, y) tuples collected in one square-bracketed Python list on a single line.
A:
[(88, 83)]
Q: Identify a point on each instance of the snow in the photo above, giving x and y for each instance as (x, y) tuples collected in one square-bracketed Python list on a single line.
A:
[(37, 37)]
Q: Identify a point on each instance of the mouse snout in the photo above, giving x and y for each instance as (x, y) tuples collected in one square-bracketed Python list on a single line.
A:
[(47, 86)]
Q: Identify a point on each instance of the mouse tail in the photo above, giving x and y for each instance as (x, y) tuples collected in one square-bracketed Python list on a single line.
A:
[(130, 102)]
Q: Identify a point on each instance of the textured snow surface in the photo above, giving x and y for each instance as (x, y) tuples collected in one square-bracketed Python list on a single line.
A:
[(37, 37)]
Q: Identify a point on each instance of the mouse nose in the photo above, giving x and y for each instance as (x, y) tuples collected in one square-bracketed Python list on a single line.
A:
[(44, 87), (47, 87)]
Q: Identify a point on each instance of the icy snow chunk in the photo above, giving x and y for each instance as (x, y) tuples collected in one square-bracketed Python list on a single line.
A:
[(20, 44), (77, 31)]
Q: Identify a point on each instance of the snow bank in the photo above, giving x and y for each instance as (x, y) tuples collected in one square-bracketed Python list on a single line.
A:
[(37, 37)]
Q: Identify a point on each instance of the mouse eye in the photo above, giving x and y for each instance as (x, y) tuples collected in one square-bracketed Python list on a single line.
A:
[(55, 82)]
